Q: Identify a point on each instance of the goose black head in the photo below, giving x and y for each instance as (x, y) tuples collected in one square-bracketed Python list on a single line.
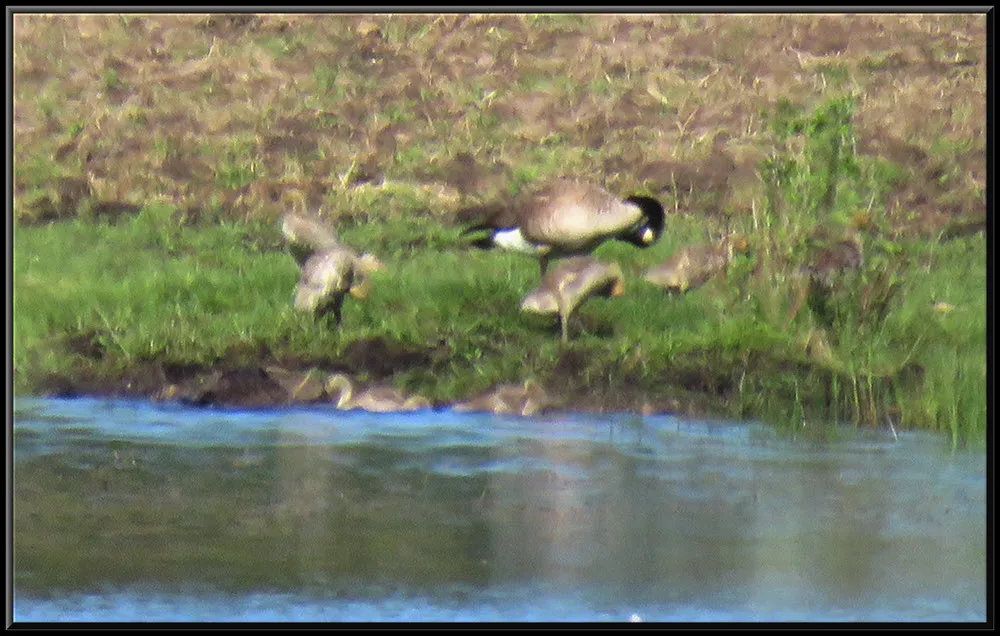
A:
[(651, 228)]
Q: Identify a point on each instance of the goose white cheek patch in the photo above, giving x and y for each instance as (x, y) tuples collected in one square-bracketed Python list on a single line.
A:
[(514, 240)]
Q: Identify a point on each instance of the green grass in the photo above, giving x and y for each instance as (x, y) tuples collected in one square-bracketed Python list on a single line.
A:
[(148, 287), (153, 289), (873, 349), (871, 130)]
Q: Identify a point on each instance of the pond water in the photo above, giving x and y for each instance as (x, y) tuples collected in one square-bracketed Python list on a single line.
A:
[(135, 511)]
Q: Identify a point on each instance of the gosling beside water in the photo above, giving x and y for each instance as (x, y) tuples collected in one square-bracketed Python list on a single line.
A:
[(509, 399), (379, 399), (313, 385), (328, 276), (306, 236)]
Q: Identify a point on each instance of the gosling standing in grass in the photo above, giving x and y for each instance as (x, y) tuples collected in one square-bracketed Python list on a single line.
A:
[(328, 276), (566, 287), (693, 266), (565, 218), (330, 270)]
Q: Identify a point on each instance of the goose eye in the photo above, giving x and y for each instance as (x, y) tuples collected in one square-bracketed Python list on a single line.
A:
[(647, 236)]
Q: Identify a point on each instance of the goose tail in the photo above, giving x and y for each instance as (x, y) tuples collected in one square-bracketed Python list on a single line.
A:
[(481, 236)]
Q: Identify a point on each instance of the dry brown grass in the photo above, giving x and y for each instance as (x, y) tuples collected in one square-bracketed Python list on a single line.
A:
[(251, 115)]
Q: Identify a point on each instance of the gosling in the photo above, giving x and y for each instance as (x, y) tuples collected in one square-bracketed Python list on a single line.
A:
[(509, 399), (379, 399), (569, 285), (693, 266), (329, 275)]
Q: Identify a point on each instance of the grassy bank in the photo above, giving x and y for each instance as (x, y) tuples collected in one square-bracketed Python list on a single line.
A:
[(98, 298), (148, 187)]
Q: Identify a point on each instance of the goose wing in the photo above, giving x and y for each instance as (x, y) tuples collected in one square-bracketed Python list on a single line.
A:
[(494, 216), (575, 215), (306, 236)]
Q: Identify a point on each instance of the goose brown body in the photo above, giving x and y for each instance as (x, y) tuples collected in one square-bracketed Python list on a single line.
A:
[(566, 218), (575, 280)]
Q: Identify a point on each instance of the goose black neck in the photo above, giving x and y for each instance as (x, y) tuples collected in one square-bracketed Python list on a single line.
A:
[(653, 219)]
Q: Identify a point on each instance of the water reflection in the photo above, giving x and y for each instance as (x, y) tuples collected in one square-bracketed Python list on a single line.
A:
[(441, 516)]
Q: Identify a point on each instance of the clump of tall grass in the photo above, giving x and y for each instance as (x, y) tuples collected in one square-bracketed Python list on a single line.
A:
[(876, 362)]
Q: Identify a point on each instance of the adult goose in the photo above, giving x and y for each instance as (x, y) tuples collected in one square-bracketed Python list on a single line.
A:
[(571, 283), (565, 218), (379, 399), (329, 275)]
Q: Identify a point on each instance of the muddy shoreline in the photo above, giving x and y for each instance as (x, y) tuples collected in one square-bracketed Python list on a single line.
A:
[(263, 381), (253, 387)]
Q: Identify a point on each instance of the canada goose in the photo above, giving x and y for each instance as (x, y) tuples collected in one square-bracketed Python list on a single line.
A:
[(566, 218), (693, 266), (379, 399), (306, 236), (329, 275), (569, 285), (509, 399)]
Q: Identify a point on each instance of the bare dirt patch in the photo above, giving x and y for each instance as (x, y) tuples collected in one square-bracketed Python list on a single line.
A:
[(170, 94)]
